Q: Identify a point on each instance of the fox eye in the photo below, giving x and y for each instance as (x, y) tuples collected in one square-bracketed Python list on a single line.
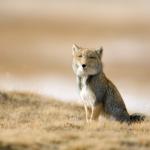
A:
[(80, 56), (92, 57)]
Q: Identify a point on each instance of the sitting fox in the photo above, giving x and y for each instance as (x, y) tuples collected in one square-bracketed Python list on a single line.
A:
[(96, 90)]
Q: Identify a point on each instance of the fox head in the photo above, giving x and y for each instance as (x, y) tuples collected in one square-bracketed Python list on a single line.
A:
[(86, 61)]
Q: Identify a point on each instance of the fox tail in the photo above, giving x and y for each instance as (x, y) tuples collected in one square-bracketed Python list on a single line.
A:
[(134, 118)]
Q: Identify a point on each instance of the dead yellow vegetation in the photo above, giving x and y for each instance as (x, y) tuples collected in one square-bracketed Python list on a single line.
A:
[(32, 122)]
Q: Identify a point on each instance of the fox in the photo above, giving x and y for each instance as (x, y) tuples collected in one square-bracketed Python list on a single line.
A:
[(98, 94)]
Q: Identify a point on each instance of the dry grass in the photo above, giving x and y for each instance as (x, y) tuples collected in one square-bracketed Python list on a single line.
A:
[(32, 122)]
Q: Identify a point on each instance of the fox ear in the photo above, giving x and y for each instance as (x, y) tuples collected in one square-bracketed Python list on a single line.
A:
[(75, 48), (100, 52)]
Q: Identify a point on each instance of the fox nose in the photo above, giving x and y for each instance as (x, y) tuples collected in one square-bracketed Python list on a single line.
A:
[(83, 65)]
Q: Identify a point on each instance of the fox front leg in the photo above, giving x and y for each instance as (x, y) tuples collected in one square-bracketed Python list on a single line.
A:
[(86, 113)]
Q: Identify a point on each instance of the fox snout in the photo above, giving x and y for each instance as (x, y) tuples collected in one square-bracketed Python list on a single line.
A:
[(84, 65)]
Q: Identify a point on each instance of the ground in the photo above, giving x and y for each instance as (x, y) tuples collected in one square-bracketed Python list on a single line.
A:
[(33, 122)]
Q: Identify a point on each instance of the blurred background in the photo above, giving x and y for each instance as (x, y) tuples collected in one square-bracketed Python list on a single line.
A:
[(36, 37)]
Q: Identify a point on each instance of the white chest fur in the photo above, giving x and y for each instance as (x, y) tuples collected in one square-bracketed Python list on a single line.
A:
[(87, 96)]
